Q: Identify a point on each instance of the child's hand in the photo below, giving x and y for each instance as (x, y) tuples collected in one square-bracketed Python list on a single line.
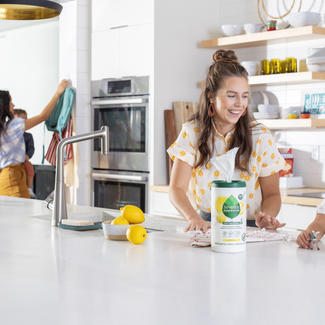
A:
[(198, 224), (264, 220), (303, 239)]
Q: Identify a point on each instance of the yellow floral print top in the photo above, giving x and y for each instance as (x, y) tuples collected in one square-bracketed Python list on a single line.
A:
[(265, 160)]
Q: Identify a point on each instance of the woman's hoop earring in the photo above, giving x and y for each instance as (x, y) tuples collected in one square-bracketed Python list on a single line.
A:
[(211, 110)]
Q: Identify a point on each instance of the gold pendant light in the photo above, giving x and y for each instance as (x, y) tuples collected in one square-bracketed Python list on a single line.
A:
[(29, 9)]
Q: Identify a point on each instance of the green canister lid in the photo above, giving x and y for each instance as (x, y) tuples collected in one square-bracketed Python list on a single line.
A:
[(225, 184)]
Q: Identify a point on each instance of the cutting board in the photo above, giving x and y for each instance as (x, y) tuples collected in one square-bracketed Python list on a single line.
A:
[(183, 111), (170, 136)]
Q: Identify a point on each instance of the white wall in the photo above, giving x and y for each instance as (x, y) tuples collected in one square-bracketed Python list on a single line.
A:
[(29, 70), (307, 144), (179, 63)]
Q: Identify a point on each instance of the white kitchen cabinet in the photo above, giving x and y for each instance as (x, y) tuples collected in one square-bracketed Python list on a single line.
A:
[(125, 51), (297, 216), (161, 205), (136, 50), (112, 13), (105, 54)]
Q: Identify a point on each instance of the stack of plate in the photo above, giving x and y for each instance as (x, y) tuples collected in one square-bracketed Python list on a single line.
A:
[(267, 111), (316, 59)]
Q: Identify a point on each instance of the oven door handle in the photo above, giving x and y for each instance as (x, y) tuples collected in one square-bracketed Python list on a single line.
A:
[(120, 177), (100, 102)]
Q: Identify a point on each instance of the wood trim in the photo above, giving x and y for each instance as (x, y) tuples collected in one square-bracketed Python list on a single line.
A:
[(263, 38), (300, 123), (307, 201)]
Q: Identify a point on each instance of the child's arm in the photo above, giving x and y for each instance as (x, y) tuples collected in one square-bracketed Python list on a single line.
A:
[(318, 224), (179, 180)]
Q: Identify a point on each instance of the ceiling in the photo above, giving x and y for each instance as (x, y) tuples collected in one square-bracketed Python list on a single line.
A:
[(13, 24)]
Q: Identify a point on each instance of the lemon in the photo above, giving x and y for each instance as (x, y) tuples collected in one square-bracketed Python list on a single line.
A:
[(136, 234), (120, 221), (219, 203), (221, 218), (132, 214)]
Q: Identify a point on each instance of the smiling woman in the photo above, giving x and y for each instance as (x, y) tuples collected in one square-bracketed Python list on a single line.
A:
[(221, 124)]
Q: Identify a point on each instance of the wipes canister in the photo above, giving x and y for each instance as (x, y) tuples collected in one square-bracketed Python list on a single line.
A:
[(228, 216)]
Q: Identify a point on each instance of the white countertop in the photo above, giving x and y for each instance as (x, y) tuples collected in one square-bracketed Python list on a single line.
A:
[(55, 276)]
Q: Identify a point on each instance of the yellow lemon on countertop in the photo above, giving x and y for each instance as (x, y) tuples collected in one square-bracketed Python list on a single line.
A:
[(120, 221), (221, 218), (219, 203), (132, 214), (136, 234)]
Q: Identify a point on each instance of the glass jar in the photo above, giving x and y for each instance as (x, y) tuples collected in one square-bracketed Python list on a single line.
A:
[(265, 67), (275, 66)]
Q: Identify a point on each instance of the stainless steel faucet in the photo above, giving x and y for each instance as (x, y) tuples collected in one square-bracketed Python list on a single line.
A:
[(60, 207)]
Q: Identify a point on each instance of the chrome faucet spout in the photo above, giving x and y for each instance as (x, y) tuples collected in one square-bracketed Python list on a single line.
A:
[(60, 208)]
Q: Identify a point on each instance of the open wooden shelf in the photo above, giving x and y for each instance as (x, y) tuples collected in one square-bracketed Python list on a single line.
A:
[(283, 78), (278, 124), (264, 38)]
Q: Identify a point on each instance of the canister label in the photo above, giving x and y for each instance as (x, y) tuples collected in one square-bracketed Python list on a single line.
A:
[(228, 218)]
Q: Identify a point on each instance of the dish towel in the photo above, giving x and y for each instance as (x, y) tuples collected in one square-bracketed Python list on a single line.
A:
[(200, 239), (50, 155)]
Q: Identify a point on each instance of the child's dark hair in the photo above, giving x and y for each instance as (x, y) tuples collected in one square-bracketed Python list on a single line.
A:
[(19, 111)]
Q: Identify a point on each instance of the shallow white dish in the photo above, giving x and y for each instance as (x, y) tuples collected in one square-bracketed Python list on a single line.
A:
[(232, 29), (269, 109), (114, 232), (253, 28), (284, 112), (252, 67), (315, 51), (316, 67), (304, 18), (262, 116)]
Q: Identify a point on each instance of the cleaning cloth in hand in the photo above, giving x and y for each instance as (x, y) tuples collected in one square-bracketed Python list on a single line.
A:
[(226, 163)]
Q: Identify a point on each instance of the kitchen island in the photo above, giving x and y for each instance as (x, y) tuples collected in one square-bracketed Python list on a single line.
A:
[(55, 276)]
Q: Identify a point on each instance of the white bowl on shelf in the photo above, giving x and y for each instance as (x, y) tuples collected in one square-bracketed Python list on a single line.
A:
[(284, 112), (252, 67), (253, 28), (262, 116), (304, 18), (315, 51), (268, 109), (232, 29), (316, 67)]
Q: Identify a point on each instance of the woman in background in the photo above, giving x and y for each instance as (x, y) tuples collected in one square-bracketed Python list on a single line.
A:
[(221, 124), (12, 145)]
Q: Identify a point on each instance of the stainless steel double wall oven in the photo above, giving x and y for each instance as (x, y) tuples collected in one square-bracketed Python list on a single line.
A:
[(121, 177)]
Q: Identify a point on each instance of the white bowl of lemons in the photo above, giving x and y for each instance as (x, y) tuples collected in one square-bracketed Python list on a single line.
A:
[(127, 226)]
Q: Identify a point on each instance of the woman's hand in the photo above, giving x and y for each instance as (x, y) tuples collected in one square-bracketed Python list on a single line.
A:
[(62, 86), (264, 220), (198, 224)]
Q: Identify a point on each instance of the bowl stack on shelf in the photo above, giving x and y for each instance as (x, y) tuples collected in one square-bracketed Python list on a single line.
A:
[(316, 59)]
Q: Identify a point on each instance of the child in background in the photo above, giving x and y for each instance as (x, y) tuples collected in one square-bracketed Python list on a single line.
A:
[(303, 240), (30, 149)]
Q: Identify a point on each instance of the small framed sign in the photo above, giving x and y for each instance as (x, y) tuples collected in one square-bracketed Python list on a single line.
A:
[(314, 103)]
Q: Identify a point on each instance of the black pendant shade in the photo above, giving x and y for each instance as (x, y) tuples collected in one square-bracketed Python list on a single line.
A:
[(29, 9)]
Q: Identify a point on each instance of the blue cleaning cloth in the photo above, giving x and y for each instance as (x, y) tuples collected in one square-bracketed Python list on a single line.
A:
[(60, 116)]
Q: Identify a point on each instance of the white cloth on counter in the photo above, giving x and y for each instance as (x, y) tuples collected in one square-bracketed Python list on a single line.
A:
[(200, 239)]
